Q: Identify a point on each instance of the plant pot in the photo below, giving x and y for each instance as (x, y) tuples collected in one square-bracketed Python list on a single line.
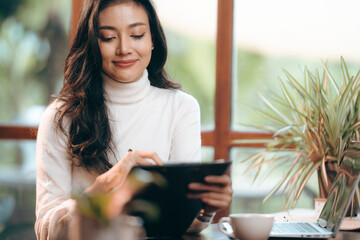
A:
[(331, 171)]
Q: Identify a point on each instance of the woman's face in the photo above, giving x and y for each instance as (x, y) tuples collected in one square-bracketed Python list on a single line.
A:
[(125, 41)]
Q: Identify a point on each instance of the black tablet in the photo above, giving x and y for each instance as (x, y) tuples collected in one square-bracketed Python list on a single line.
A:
[(163, 204)]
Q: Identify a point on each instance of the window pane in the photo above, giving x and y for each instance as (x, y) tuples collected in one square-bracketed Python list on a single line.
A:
[(248, 195), (207, 154), (288, 35), (190, 29), (33, 46), (17, 187)]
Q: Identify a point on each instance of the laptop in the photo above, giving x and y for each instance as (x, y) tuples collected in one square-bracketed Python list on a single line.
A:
[(163, 205), (336, 205)]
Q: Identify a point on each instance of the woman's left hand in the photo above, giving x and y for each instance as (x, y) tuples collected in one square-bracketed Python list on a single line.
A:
[(216, 192)]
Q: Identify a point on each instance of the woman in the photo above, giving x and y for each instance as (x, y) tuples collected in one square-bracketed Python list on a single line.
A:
[(116, 97)]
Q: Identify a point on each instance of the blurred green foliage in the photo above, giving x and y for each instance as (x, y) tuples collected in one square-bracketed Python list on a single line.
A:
[(8, 7), (258, 73), (33, 46), (191, 62)]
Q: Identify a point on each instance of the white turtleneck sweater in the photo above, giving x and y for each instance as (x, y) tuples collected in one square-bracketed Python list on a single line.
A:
[(141, 117)]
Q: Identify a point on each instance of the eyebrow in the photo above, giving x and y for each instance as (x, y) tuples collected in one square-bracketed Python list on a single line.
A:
[(130, 26)]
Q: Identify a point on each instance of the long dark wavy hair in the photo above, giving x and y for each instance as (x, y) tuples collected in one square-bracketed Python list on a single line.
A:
[(82, 95)]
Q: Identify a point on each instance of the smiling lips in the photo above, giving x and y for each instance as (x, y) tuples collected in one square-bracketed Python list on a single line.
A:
[(125, 63)]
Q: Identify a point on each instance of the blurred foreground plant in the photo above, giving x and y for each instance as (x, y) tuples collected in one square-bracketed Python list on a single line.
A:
[(104, 207)]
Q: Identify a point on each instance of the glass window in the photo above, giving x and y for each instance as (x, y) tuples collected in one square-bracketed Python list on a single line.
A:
[(271, 36), (190, 29), (207, 154), (248, 194), (274, 35)]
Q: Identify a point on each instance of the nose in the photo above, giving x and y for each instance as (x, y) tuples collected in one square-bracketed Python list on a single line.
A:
[(123, 47)]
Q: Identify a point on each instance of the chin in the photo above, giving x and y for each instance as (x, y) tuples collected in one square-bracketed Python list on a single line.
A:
[(123, 79)]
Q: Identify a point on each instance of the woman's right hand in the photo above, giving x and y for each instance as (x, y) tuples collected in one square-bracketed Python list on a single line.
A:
[(117, 175)]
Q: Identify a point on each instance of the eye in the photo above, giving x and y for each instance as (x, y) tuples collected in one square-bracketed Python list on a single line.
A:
[(104, 39), (138, 36)]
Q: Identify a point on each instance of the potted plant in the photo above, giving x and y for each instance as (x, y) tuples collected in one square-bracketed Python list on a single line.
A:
[(312, 123)]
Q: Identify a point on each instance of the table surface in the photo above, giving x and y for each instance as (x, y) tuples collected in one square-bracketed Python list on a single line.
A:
[(213, 233)]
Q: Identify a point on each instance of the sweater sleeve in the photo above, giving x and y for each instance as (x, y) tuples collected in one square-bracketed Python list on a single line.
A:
[(186, 137), (54, 206)]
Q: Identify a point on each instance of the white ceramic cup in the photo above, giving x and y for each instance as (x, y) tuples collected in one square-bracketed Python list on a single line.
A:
[(247, 226)]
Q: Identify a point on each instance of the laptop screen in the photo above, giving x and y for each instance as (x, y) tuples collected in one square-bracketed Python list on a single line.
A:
[(342, 190)]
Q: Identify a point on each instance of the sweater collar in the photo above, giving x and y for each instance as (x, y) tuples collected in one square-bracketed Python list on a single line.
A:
[(125, 93)]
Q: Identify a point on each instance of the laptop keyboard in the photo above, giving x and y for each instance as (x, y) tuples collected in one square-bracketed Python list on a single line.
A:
[(294, 227)]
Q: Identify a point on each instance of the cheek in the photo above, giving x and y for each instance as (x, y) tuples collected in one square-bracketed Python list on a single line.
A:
[(146, 51), (145, 47), (106, 51)]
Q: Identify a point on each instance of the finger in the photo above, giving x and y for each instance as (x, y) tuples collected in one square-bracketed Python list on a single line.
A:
[(223, 179), (109, 180), (119, 198), (217, 197), (117, 175), (149, 154), (212, 202), (215, 203), (205, 187), (134, 158), (211, 188), (210, 195), (142, 162)]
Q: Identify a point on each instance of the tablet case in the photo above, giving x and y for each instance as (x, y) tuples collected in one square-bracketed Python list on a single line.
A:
[(163, 204)]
